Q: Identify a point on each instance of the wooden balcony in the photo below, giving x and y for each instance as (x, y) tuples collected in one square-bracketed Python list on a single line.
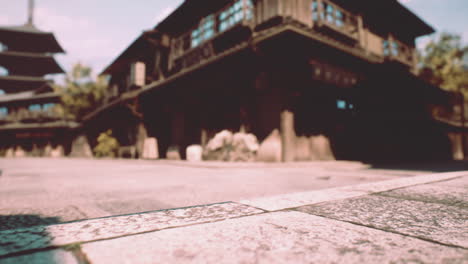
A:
[(330, 17), (26, 116), (396, 50), (197, 45)]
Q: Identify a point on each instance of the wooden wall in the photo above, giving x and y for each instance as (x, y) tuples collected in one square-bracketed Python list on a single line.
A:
[(372, 42), (300, 10)]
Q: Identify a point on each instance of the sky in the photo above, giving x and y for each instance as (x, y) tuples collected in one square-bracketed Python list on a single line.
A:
[(95, 32)]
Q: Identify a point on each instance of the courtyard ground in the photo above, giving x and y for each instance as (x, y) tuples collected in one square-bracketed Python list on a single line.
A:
[(318, 212)]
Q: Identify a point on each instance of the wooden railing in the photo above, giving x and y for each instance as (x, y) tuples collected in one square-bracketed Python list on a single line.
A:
[(195, 45), (397, 50), (329, 15), (26, 116)]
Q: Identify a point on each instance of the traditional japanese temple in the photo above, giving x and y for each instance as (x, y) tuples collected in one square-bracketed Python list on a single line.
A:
[(31, 124), (324, 73)]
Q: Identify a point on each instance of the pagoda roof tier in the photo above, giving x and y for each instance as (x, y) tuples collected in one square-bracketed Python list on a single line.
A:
[(29, 64), (29, 38), (29, 97), (15, 84)]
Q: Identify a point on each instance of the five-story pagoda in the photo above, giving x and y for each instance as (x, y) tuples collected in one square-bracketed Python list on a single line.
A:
[(31, 122)]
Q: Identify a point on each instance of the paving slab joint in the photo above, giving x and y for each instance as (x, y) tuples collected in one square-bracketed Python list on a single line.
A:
[(294, 200), (385, 230)]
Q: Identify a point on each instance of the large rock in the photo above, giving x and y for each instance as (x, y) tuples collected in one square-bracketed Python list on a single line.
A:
[(244, 147), (57, 152), (19, 152), (47, 150), (320, 148), (271, 148), (194, 153), (220, 140), (228, 147), (10, 153), (303, 149), (150, 149), (81, 148), (173, 153), (218, 148)]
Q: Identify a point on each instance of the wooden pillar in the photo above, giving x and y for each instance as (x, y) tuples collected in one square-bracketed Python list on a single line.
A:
[(178, 130), (141, 135), (288, 136), (361, 37)]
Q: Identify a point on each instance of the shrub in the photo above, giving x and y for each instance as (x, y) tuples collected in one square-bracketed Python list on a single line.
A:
[(107, 145)]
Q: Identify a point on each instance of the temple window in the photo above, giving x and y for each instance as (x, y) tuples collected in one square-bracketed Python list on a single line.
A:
[(205, 31), (48, 106), (3, 71), (3, 47), (235, 14), (35, 107), (391, 48), (341, 104), (328, 12), (3, 111)]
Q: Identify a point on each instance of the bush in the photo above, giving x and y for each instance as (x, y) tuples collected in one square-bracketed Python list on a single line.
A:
[(107, 145)]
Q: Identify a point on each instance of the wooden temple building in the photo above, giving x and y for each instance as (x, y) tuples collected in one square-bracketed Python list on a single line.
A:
[(31, 124), (343, 71)]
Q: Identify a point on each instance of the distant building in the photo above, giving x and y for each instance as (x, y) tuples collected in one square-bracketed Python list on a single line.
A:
[(30, 121), (324, 73)]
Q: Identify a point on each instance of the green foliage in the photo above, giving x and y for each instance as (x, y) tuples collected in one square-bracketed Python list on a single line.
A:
[(107, 145), (81, 94), (442, 63)]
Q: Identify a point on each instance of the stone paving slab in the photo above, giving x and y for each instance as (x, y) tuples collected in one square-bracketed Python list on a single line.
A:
[(433, 193), (281, 202), (44, 257), (279, 237), (431, 221), (383, 186), (18, 240), (458, 183)]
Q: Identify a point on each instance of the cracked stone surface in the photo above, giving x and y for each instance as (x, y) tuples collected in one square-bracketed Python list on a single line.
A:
[(285, 201), (281, 202), (432, 221), (279, 237), (18, 240), (403, 182), (432, 193), (44, 257)]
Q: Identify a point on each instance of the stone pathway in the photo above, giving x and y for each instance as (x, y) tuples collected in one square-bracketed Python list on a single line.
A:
[(421, 219)]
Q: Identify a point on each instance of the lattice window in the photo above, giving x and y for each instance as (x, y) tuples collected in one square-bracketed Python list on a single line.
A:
[(391, 48), (4, 71), (205, 31), (35, 107), (232, 15), (3, 47), (342, 104), (3, 111), (48, 106)]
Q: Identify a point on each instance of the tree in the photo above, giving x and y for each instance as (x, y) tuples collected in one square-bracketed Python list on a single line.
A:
[(442, 63), (81, 94)]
